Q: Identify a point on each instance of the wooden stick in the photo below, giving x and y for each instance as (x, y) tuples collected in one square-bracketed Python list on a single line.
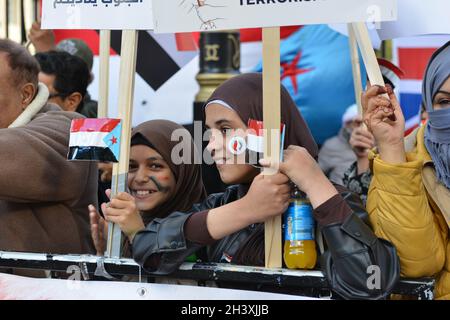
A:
[(368, 54), (105, 47), (126, 93), (272, 121), (29, 13), (356, 68), (15, 21), (3, 19), (29, 17), (38, 10)]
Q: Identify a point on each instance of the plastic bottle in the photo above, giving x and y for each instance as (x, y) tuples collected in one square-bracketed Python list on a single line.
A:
[(300, 245)]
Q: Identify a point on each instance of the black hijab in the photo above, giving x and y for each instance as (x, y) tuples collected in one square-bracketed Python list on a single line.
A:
[(189, 189), (244, 94)]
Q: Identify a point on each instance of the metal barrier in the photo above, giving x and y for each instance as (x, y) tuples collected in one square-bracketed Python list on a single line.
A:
[(298, 282)]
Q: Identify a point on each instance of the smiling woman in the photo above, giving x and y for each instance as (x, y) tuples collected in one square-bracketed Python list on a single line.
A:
[(157, 186)]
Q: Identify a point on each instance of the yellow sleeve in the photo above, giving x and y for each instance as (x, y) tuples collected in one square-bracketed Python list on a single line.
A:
[(400, 212)]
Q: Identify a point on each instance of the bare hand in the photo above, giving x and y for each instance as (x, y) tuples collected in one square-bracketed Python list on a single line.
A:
[(361, 141), (304, 171), (298, 165), (105, 169), (267, 197), (99, 230), (123, 210), (43, 40), (384, 119)]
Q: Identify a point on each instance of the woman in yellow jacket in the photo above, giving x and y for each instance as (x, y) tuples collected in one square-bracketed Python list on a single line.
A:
[(409, 197)]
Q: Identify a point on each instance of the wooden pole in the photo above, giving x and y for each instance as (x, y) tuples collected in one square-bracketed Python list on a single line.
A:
[(3, 19), (272, 122), (356, 67), (368, 54), (29, 13), (15, 20), (105, 47), (126, 93), (30, 16)]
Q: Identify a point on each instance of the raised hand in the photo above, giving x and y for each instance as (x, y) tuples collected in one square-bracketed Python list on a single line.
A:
[(43, 40), (384, 119), (99, 230)]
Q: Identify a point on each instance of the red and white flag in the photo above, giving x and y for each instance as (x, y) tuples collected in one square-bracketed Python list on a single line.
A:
[(95, 140), (255, 140)]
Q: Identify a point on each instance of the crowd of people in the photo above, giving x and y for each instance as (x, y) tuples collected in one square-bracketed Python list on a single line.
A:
[(378, 197)]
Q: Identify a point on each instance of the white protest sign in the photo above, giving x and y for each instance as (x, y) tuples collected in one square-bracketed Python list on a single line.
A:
[(201, 15), (418, 17), (342, 28), (97, 14), (20, 288)]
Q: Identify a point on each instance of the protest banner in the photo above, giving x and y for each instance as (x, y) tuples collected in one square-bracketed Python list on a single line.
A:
[(203, 15), (417, 17), (101, 14)]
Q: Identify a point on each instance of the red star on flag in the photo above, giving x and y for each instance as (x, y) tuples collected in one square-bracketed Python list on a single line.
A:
[(113, 140), (291, 70)]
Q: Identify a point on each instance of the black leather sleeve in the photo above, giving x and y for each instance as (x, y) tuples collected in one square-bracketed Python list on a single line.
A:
[(357, 264), (162, 246)]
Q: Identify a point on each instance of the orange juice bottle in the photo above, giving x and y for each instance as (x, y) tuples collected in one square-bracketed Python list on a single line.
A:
[(299, 243)]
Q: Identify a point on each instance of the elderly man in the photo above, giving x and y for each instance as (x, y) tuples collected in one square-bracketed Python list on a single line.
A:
[(43, 197)]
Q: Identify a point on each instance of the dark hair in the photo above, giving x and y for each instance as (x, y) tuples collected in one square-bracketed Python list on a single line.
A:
[(25, 68), (71, 73)]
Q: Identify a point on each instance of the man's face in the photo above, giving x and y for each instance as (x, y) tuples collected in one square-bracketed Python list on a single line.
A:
[(11, 96), (66, 102), (55, 97)]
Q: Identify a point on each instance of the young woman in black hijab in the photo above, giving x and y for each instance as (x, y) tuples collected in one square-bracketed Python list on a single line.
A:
[(157, 185)]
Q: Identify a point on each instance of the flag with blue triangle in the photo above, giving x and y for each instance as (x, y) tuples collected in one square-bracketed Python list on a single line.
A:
[(95, 140)]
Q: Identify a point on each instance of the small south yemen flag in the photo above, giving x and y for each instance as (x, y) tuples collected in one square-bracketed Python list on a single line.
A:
[(95, 140)]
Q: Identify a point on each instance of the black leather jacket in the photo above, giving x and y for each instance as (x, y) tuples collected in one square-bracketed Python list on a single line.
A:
[(353, 257)]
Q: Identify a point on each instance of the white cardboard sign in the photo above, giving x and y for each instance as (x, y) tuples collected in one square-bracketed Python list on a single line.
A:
[(202, 15), (20, 288), (418, 17), (97, 14)]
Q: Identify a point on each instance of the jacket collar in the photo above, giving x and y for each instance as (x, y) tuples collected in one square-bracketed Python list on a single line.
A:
[(421, 148), (33, 108), (437, 191)]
